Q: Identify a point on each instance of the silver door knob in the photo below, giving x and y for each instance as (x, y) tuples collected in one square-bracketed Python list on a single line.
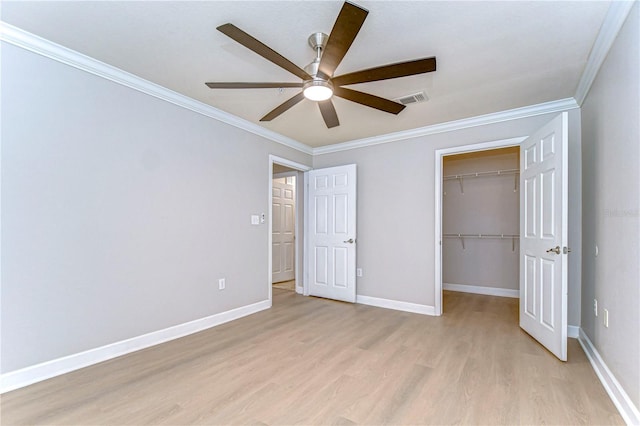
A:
[(555, 250), (350, 241)]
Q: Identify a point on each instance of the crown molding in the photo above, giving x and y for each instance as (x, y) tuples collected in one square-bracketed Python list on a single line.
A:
[(41, 46), (613, 22), (465, 123)]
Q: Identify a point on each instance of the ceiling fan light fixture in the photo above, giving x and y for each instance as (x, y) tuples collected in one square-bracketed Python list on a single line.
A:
[(318, 90)]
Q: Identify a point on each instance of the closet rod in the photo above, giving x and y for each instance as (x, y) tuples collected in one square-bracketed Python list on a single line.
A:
[(480, 174)]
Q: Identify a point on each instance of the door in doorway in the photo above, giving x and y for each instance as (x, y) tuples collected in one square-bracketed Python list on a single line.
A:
[(543, 235), (331, 228), (283, 229)]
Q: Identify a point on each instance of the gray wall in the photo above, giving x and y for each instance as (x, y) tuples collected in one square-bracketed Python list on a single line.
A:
[(396, 212), (611, 206), (118, 214), (488, 205)]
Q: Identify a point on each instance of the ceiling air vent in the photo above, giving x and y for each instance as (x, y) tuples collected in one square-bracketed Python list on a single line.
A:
[(412, 99)]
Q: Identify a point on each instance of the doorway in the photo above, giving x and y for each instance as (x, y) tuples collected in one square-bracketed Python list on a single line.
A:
[(480, 222), (286, 259), (283, 235), (468, 150)]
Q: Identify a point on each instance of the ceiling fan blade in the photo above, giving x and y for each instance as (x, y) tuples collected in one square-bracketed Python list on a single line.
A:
[(329, 114), (400, 69), (345, 29), (237, 85), (262, 49), (366, 99), (283, 107)]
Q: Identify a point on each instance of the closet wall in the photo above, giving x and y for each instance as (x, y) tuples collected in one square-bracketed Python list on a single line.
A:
[(484, 211)]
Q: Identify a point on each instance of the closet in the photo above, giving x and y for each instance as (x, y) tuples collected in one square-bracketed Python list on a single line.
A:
[(480, 222)]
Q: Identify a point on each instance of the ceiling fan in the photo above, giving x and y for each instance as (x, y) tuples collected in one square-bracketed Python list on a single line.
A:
[(318, 82)]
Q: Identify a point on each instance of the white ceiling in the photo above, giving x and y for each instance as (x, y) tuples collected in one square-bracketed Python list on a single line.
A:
[(492, 56)]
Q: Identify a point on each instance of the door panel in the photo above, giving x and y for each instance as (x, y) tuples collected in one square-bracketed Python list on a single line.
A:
[(543, 222), (283, 230), (332, 232)]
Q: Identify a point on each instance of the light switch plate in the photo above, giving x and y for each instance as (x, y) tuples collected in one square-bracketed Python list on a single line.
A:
[(255, 219)]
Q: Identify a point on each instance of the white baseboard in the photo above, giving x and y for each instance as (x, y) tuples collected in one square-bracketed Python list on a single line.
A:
[(573, 331), (476, 289), (396, 304), (46, 370), (621, 400)]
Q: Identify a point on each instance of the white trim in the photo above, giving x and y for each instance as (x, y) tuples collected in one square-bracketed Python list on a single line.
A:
[(300, 209), (46, 370), (438, 202), (395, 304), (477, 289), (289, 163), (613, 22), (573, 331), (305, 252), (41, 46), (437, 235), (621, 400), (481, 120)]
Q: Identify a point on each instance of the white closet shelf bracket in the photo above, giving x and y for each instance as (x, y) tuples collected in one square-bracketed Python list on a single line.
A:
[(461, 237), (460, 178)]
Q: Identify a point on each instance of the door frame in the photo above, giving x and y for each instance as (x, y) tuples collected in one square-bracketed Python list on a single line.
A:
[(299, 213), (440, 153)]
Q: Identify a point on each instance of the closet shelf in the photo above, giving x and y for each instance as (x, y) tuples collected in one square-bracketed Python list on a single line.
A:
[(460, 178), (461, 237)]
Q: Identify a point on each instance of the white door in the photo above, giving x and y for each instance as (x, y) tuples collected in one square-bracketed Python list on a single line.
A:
[(543, 236), (283, 224), (331, 247)]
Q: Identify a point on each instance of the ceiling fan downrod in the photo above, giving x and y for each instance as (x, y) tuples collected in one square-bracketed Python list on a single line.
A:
[(318, 88)]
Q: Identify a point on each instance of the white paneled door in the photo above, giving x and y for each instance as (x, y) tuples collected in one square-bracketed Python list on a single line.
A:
[(543, 236), (331, 242), (283, 241)]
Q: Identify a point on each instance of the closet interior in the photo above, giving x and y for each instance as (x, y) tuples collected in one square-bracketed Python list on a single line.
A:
[(480, 222)]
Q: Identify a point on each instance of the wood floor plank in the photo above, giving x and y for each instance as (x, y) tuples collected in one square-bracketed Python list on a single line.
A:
[(320, 362)]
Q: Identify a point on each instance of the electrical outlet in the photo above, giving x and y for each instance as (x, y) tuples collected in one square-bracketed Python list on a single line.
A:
[(595, 307), (222, 284), (358, 272), (606, 317)]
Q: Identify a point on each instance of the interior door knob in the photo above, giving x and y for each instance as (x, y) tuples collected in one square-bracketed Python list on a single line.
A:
[(350, 241), (555, 250)]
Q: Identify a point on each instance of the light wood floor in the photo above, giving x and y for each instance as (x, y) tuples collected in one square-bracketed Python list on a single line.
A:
[(314, 361), (286, 285)]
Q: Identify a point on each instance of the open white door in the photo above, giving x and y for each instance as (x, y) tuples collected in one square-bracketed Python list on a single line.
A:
[(543, 236), (331, 242), (283, 230)]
